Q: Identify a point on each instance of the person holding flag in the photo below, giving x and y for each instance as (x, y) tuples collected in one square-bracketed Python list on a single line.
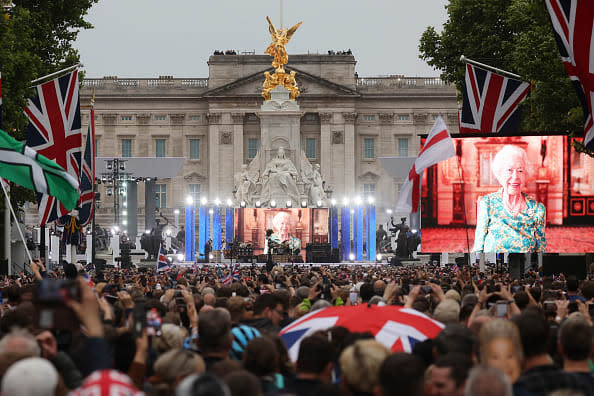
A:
[(162, 263)]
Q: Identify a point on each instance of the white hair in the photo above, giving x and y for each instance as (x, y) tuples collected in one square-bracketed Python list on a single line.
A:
[(487, 381), (277, 219), (31, 346), (502, 158)]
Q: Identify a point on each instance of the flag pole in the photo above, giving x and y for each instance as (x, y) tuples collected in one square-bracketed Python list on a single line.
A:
[(56, 73), (16, 222), (496, 70)]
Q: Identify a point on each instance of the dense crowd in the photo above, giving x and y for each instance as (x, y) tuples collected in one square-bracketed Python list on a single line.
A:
[(213, 330)]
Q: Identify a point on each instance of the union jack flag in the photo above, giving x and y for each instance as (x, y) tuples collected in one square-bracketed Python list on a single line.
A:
[(162, 263), (235, 271), (54, 131), (86, 201), (572, 25), (491, 102), (227, 280)]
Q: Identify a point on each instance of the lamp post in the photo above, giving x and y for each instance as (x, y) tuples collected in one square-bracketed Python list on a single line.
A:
[(115, 172)]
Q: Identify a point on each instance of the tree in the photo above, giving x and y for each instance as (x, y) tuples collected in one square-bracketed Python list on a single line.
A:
[(35, 40), (514, 35)]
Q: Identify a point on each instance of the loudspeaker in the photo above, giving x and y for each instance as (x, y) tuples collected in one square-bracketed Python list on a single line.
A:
[(553, 264)]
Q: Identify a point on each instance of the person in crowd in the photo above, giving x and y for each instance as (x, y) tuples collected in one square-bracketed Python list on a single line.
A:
[(214, 336), (508, 220), (500, 346), (360, 366), (268, 313), (448, 375), (488, 381), (401, 374), (575, 346)]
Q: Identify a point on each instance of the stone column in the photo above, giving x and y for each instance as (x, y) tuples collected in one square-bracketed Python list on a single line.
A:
[(237, 119), (326, 146), (132, 195), (142, 146), (149, 204), (350, 153), (214, 162)]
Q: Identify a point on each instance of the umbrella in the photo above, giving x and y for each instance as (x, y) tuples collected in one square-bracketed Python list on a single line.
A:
[(396, 327)]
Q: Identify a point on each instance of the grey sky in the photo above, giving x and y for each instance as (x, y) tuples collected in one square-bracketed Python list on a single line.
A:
[(148, 38)]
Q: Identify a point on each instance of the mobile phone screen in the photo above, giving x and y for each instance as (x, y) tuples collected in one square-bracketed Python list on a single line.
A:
[(501, 309), (353, 297)]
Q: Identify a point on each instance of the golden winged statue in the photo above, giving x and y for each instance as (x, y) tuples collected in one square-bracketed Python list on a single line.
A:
[(276, 49)]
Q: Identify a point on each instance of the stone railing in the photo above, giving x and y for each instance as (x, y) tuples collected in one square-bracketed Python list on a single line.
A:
[(102, 83), (364, 83)]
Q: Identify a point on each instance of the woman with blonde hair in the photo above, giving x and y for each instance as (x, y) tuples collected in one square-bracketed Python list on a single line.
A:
[(360, 365), (500, 346)]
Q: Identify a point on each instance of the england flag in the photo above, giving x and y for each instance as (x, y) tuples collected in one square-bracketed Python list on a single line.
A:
[(438, 147), (573, 22), (491, 102)]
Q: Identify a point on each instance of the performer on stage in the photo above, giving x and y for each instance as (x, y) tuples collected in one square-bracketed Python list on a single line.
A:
[(508, 220), (283, 228)]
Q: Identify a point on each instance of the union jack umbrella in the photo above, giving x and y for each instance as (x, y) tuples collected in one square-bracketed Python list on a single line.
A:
[(398, 328), (54, 131)]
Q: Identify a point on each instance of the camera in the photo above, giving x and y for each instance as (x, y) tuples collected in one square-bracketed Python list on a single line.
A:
[(50, 291)]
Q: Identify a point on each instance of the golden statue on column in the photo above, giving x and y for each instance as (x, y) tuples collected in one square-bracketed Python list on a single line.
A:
[(276, 49)]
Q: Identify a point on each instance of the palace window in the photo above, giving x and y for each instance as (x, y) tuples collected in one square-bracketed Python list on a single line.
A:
[(194, 118), (195, 193), (368, 117), (160, 118), (194, 148), (253, 146), (403, 147), (161, 196), (368, 190), (310, 148), (126, 147), (160, 148), (126, 118), (403, 117), (369, 148)]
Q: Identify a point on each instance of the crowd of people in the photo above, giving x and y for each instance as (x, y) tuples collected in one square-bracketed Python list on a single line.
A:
[(345, 52), (226, 52), (193, 331)]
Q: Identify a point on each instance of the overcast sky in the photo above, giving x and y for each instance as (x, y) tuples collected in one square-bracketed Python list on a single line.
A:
[(148, 38)]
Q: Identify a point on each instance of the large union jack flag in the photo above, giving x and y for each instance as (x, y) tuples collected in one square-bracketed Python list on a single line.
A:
[(87, 177), (54, 131), (573, 27), (491, 102)]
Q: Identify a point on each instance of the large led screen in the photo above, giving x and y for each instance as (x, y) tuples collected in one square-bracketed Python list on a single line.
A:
[(467, 192), (292, 228)]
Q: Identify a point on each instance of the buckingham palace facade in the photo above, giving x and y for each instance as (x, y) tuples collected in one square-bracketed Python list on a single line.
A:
[(347, 123)]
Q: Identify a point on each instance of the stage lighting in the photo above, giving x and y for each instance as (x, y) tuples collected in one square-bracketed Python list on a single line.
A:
[(242, 204), (124, 184), (273, 204), (229, 202), (168, 232), (258, 204), (124, 213), (389, 211), (333, 202), (169, 259), (125, 222), (210, 211), (217, 201), (180, 257), (358, 200), (378, 257), (148, 179), (351, 257), (125, 204), (122, 166), (203, 201), (304, 204), (289, 203), (116, 228), (176, 211), (345, 201), (109, 165), (414, 230), (319, 203), (189, 200), (147, 232), (370, 200), (210, 256)]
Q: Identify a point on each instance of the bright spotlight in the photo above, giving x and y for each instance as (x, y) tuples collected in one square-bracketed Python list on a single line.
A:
[(370, 200), (304, 204), (116, 228), (378, 257), (210, 256), (203, 201), (333, 202), (242, 204), (229, 202), (147, 231), (124, 213), (345, 201), (289, 203), (217, 201), (389, 211), (258, 204), (273, 204), (125, 222), (189, 200), (168, 232), (319, 203), (176, 211), (352, 257), (180, 257), (358, 200), (210, 211), (125, 204)]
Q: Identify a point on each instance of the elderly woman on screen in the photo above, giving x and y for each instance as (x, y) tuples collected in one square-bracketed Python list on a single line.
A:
[(283, 227), (508, 220)]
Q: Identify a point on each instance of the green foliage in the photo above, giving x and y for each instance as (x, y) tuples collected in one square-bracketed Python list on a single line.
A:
[(36, 40), (514, 35)]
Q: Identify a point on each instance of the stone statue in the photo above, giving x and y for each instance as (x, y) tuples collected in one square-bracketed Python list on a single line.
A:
[(280, 38), (312, 179), (279, 179), (245, 185)]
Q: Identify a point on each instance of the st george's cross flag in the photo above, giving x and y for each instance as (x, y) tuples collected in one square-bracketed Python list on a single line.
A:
[(87, 177), (573, 26), (438, 147), (491, 102), (162, 263), (23, 166), (54, 131)]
